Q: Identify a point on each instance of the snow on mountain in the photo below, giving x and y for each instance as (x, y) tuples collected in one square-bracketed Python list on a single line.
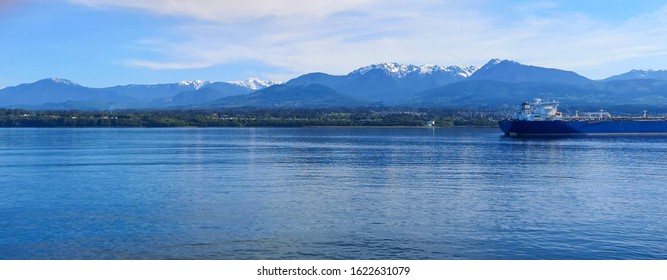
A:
[(463, 70), (196, 84), (495, 61), (388, 83), (392, 69), (398, 71), (62, 81), (255, 83), (640, 75)]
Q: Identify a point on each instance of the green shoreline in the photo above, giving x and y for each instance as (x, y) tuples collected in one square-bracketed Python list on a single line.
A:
[(398, 118)]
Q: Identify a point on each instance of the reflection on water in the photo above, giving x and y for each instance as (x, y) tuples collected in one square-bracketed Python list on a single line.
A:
[(328, 193)]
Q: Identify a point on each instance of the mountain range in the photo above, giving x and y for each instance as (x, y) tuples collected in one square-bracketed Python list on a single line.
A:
[(498, 83)]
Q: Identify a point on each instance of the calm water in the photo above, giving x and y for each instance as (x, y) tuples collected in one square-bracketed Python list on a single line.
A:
[(328, 193)]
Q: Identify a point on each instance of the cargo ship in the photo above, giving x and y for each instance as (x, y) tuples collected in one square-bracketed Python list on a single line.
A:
[(542, 119)]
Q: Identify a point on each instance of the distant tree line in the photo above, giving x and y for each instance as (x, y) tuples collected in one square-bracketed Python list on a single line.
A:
[(249, 117)]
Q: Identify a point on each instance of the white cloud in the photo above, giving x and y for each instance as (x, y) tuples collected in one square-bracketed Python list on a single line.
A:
[(303, 36), (231, 10), (596, 48), (164, 65)]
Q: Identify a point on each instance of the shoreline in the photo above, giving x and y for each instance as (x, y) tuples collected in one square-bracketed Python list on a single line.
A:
[(205, 127)]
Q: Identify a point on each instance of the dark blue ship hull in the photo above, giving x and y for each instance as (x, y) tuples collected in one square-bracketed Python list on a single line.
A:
[(583, 127)]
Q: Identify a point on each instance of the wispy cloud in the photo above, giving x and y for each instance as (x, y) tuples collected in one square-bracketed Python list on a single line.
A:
[(165, 65), (337, 36), (232, 10)]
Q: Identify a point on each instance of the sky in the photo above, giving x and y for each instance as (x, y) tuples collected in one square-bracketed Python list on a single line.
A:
[(102, 43)]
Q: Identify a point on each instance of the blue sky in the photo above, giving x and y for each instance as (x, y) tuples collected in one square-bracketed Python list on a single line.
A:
[(108, 42)]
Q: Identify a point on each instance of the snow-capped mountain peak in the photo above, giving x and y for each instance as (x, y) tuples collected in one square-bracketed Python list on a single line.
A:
[(463, 70), (645, 73), (392, 69), (494, 61), (196, 84), (398, 71), (62, 81), (255, 83), (638, 74)]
